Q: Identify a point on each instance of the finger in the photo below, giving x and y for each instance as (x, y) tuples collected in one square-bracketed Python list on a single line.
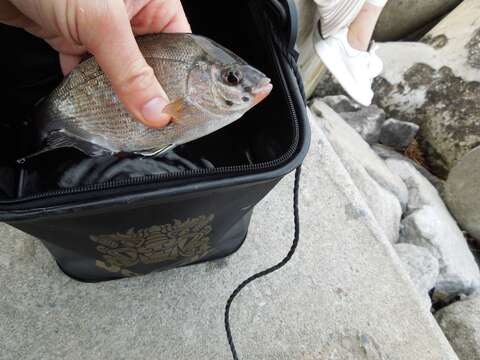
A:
[(10, 15), (109, 37), (161, 16), (68, 62), (134, 6)]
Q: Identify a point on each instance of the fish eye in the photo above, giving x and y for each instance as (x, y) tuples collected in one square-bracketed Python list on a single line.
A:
[(245, 99), (232, 77)]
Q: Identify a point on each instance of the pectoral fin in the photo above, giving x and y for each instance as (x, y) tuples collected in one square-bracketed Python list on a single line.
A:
[(156, 153), (175, 109)]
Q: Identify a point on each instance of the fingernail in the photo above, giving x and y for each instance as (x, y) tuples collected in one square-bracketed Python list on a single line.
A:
[(152, 110)]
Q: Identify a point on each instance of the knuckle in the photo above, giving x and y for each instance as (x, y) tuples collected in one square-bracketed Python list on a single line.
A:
[(91, 19), (97, 15), (103, 13), (105, 7)]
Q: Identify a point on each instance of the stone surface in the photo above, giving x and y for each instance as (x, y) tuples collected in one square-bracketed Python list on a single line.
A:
[(428, 223), (401, 18), (343, 296), (398, 134), (328, 86), (383, 191), (367, 121), (422, 267), (461, 324), (341, 103), (462, 192), (436, 84), (386, 152)]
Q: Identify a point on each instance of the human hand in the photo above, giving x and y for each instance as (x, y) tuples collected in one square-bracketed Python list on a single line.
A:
[(106, 29)]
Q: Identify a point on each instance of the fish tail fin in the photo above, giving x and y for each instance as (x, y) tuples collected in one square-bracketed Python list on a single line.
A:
[(63, 139)]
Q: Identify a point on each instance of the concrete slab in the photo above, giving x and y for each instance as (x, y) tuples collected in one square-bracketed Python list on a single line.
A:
[(343, 296)]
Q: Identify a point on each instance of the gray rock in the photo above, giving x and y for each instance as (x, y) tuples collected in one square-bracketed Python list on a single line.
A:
[(398, 134), (420, 191), (383, 191), (461, 324), (386, 152), (402, 18), (367, 122), (328, 86), (316, 307), (341, 103), (422, 267), (429, 224), (462, 192), (437, 85)]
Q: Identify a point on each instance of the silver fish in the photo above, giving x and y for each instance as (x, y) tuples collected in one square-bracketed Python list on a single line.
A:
[(209, 86)]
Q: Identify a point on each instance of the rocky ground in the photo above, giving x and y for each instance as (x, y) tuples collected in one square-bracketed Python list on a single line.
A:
[(343, 296), (403, 197), (415, 156)]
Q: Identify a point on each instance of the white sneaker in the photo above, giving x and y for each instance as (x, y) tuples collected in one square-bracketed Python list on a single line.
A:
[(376, 64), (351, 67)]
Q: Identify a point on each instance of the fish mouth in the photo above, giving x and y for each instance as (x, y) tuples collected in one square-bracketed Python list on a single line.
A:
[(262, 90)]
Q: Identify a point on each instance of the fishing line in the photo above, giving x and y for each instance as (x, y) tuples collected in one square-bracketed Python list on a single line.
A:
[(270, 270)]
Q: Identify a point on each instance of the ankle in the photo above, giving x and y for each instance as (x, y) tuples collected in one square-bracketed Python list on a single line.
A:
[(356, 42)]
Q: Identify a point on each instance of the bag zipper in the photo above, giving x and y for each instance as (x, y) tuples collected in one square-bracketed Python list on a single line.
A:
[(153, 179)]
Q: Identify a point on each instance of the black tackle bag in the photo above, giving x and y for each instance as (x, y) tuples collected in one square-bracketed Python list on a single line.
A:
[(111, 218)]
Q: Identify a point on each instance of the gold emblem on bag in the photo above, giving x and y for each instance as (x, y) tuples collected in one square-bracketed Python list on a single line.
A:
[(178, 243)]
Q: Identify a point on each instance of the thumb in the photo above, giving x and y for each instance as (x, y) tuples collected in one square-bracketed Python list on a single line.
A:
[(109, 37)]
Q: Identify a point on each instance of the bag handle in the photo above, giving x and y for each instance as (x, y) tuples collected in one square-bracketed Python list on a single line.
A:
[(284, 20), (285, 16)]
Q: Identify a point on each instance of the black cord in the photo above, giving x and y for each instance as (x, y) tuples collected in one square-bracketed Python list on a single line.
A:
[(269, 270)]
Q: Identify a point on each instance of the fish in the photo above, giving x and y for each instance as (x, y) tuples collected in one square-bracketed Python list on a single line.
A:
[(208, 85)]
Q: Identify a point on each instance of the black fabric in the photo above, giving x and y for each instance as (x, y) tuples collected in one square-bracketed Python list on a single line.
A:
[(137, 237), (73, 169), (8, 182), (111, 168), (30, 70)]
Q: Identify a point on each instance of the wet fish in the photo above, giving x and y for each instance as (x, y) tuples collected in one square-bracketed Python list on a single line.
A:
[(209, 86)]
